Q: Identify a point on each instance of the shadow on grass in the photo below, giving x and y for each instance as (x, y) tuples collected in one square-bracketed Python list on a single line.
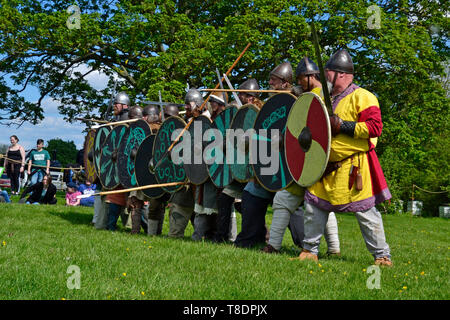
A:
[(74, 217)]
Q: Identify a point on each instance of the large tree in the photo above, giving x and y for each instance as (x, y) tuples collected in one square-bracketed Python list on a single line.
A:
[(63, 151), (398, 47)]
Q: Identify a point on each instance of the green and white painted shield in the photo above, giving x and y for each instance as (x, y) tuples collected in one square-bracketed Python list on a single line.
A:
[(242, 122), (166, 170), (135, 134), (219, 170), (268, 159), (109, 171)]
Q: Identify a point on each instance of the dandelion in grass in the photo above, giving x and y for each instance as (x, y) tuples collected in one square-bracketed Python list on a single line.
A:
[(364, 270), (142, 293), (404, 287), (4, 243), (406, 274), (124, 274), (422, 273)]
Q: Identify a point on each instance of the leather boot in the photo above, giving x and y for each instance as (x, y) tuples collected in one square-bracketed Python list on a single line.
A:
[(135, 221), (306, 255), (269, 249), (384, 262)]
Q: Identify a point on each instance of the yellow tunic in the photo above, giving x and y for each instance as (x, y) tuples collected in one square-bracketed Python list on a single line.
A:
[(332, 192)]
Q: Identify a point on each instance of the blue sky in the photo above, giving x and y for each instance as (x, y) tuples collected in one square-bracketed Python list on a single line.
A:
[(53, 126)]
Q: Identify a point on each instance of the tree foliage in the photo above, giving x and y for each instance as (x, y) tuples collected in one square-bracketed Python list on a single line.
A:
[(65, 151), (155, 45)]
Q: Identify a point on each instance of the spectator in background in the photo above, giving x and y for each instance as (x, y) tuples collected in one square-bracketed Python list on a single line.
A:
[(80, 157), (87, 188), (41, 193), (71, 195), (4, 196), (14, 168), (39, 158)]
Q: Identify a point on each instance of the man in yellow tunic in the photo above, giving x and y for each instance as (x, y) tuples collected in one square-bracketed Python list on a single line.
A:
[(354, 180)]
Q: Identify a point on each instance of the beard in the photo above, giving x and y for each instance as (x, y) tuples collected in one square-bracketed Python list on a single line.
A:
[(330, 87)]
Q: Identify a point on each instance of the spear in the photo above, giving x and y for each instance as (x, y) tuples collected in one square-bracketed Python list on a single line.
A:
[(201, 108)]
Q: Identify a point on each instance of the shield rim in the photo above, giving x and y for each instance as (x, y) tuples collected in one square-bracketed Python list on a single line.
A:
[(322, 104), (256, 176)]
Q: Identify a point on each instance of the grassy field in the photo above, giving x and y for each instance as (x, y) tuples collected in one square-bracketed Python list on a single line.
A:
[(38, 244)]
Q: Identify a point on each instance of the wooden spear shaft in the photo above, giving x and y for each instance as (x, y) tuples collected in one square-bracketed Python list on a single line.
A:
[(91, 120), (202, 106), (107, 123), (150, 186), (245, 90)]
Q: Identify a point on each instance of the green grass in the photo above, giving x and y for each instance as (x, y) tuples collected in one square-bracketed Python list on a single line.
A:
[(39, 243)]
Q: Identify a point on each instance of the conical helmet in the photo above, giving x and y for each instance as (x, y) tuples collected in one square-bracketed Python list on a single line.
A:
[(122, 98), (171, 110), (283, 71), (219, 97), (306, 67), (250, 84), (340, 61), (135, 113), (193, 95)]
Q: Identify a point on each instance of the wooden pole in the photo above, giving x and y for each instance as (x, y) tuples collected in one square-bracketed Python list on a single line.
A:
[(202, 106), (246, 90), (91, 120), (150, 186)]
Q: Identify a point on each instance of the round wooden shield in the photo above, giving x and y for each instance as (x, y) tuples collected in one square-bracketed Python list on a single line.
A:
[(88, 156), (134, 135), (100, 137), (196, 169), (307, 139), (242, 126), (143, 171), (165, 170), (268, 159), (109, 172), (218, 168)]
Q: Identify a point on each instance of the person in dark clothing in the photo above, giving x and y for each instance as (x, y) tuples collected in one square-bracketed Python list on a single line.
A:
[(41, 193), (15, 166)]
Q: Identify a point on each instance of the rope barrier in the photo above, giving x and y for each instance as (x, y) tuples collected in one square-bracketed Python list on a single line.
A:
[(38, 166), (427, 191)]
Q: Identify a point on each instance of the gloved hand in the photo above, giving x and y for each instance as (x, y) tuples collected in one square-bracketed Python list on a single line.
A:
[(335, 123)]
